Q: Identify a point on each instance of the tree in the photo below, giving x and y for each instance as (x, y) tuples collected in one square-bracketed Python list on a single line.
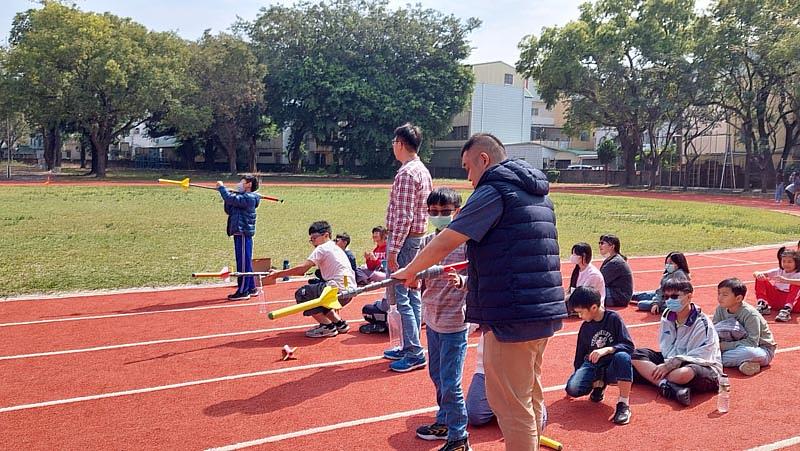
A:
[(347, 72), (103, 72), (607, 152), (620, 65)]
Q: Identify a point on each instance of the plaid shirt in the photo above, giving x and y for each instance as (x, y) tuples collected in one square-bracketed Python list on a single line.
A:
[(408, 209)]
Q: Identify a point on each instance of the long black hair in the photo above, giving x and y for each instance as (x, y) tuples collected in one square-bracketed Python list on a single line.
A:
[(679, 259), (584, 251)]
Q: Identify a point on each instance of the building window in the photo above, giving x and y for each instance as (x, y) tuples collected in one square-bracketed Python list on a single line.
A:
[(537, 134), (534, 111), (459, 133), (584, 135), (509, 79)]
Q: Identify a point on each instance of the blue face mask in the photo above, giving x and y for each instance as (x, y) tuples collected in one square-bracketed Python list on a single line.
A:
[(440, 222), (674, 305)]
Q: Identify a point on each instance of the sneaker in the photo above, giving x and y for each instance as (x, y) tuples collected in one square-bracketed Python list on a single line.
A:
[(749, 368), (238, 296), (456, 445), (671, 390), (435, 431), (597, 394), (622, 414), (394, 354), (323, 330), (373, 328), (254, 292), (407, 364), (763, 307), (784, 315), (342, 327)]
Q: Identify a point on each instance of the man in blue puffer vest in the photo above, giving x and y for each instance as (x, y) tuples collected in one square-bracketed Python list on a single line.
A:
[(514, 280), (240, 207)]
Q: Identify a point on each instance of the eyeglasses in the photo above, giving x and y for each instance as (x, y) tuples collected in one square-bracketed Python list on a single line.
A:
[(602, 243), (394, 141), (440, 212), (313, 237), (674, 296)]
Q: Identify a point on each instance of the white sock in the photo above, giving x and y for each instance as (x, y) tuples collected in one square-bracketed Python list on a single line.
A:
[(623, 400)]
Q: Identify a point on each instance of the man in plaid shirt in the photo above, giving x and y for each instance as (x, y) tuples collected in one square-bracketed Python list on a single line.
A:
[(407, 222)]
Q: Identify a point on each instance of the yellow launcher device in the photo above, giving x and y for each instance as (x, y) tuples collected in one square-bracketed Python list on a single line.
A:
[(328, 299)]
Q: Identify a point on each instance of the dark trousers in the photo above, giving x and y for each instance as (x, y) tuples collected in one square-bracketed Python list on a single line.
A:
[(243, 248)]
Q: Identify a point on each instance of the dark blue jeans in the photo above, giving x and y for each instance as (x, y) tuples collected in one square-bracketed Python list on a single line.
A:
[(611, 369), (243, 248), (446, 354)]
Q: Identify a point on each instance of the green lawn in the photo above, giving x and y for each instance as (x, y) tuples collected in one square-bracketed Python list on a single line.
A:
[(61, 238)]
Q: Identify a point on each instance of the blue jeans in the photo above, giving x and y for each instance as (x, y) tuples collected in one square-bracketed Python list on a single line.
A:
[(243, 248), (778, 192), (478, 410), (735, 357), (646, 300), (409, 302), (446, 353), (611, 369)]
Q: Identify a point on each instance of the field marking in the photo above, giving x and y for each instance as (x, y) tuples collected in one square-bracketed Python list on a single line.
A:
[(211, 307), (731, 259), (777, 445)]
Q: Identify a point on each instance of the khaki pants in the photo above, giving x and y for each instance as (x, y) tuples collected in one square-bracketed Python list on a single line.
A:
[(514, 389)]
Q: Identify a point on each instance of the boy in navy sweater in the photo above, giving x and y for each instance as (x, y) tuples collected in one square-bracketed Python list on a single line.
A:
[(602, 354)]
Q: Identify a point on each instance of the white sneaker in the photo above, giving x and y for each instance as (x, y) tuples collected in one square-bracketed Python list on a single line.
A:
[(763, 307), (784, 315), (323, 330), (749, 368)]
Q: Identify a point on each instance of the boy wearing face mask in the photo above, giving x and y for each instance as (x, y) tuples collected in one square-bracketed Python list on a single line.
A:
[(240, 206), (443, 312), (690, 358), (675, 267)]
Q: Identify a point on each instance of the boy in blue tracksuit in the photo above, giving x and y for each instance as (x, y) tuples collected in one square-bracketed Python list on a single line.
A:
[(240, 206)]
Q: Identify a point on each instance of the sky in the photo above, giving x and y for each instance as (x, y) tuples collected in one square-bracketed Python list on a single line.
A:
[(505, 22)]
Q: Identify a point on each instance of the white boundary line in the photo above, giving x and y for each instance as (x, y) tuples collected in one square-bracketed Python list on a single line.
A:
[(778, 445), (408, 413), (211, 307)]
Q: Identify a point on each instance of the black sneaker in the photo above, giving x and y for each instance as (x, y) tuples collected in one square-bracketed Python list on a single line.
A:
[(671, 390), (433, 431), (342, 327), (456, 445), (374, 328), (597, 394), (238, 296), (622, 415), (254, 292)]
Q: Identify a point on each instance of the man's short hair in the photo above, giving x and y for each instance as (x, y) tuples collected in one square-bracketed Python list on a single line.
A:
[(409, 134), (444, 196), (680, 285), (737, 287), (320, 227), (344, 237), (488, 143), (584, 297)]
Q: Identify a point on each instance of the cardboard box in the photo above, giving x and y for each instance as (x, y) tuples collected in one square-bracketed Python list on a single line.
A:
[(263, 265)]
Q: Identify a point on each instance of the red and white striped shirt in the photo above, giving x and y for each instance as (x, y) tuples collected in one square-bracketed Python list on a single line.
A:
[(408, 210)]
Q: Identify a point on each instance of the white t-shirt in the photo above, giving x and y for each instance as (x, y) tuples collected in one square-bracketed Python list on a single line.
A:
[(333, 265), (773, 275), (592, 277)]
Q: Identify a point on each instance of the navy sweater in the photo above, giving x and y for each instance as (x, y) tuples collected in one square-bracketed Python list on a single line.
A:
[(609, 331)]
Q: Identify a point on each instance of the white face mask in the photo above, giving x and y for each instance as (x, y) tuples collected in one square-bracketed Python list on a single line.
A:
[(670, 268), (576, 259), (240, 187)]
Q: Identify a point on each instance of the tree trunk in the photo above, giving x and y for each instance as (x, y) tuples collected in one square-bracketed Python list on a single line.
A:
[(631, 142), (57, 149), (100, 142), (48, 141), (210, 153), (83, 153), (295, 148), (252, 161)]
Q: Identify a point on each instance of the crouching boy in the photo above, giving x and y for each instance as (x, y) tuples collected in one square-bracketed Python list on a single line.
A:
[(602, 354)]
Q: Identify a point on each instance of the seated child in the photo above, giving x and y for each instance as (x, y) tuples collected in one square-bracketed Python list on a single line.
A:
[(373, 270), (689, 359), (334, 268), (343, 240), (780, 287), (675, 267), (757, 347), (602, 354), (444, 308), (585, 274)]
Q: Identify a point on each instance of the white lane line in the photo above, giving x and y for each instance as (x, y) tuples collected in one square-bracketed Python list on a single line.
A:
[(121, 315), (346, 424), (778, 445), (731, 259), (158, 342), (212, 307), (408, 413)]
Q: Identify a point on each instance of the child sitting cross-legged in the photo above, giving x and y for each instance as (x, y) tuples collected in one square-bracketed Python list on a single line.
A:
[(602, 354), (675, 267), (744, 336), (779, 288)]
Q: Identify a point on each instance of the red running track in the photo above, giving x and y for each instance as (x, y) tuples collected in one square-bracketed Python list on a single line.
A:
[(183, 369)]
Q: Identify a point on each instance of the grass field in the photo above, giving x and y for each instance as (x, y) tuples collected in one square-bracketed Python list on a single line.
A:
[(62, 238)]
